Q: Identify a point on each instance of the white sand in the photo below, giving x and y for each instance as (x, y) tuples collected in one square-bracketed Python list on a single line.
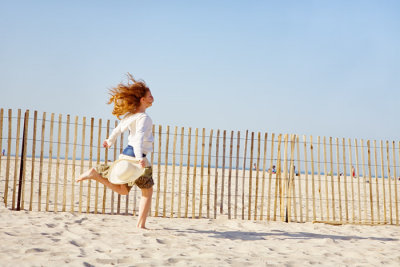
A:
[(51, 239)]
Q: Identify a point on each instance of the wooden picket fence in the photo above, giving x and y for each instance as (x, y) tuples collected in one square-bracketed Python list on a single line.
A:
[(201, 174)]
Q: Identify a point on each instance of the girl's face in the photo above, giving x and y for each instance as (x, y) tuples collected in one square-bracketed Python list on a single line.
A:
[(148, 99)]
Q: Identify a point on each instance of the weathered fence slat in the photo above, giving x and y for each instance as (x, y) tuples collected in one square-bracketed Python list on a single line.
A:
[(294, 179), (283, 182), (237, 173), (326, 180), (278, 175), (244, 171), (364, 174), (58, 163), (173, 171), (82, 162), (250, 174), (345, 180), (194, 174), (352, 175), (188, 173), (74, 164), (202, 171), (389, 183), (121, 149), (358, 183), (16, 159), (8, 156), (312, 176), (166, 173), (180, 173), (377, 184), (395, 182), (216, 176), (64, 202), (290, 182), (88, 199), (306, 177), (332, 181), (338, 179), (221, 209), (106, 162), (96, 201), (257, 168), (230, 176), (383, 183), (300, 179), (271, 162), (50, 161), (370, 182), (21, 187), (33, 159), (263, 177), (152, 164), (209, 173), (115, 158), (158, 171), (319, 177)]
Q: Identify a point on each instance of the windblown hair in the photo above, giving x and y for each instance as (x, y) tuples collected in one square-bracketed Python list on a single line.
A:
[(126, 97)]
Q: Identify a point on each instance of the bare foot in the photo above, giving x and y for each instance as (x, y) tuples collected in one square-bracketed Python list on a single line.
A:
[(89, 174), (142, 228)]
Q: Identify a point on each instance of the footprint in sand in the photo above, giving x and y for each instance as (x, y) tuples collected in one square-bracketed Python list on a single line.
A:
[(149, 234), (56, 234), (146, 255), (80, 221), (33, 250), (76, 243), (125, 260), (107, 261), (162, 241), (11, 234), (172, 260)]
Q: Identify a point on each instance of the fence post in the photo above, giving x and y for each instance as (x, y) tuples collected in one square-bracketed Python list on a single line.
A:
[(22, 164)]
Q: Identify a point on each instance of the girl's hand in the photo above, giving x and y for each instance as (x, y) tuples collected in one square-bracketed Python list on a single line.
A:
[(105, 144), (142, 163)]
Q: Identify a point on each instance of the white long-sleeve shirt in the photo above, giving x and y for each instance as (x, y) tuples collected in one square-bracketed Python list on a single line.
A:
[(140, 133)]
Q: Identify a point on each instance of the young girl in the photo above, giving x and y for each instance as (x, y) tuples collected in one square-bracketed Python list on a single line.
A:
[(130, 101)]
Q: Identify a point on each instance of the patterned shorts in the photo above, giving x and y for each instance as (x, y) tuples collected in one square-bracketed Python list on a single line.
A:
[(144, 181)]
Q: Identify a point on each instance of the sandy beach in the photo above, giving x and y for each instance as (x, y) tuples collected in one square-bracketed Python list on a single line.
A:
[(40, 238), (50, 239)]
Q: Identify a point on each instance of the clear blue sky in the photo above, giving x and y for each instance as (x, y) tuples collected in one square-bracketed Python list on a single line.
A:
[(328, 68)]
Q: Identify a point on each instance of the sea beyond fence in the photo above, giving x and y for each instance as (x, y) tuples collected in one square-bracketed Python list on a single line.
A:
[(201, 174)]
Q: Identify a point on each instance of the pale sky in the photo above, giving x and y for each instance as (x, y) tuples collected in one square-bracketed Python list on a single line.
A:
[(327, 68)]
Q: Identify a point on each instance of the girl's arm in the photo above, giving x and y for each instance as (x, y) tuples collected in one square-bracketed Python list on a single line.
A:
[(114, 134)]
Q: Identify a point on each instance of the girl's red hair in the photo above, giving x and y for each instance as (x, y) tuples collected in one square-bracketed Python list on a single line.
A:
[(126, 97)]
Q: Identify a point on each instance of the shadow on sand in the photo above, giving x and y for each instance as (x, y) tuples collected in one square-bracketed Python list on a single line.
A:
[(251, 236)]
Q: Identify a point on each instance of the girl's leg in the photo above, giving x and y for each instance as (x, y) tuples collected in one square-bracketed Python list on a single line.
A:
[(122, 189), (144, 207)]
